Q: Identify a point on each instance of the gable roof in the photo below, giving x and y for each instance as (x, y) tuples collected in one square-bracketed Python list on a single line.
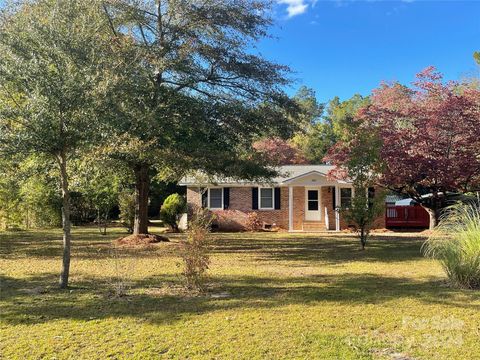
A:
[(287, 174)]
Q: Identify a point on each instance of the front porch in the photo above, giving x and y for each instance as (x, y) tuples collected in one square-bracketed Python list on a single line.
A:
[(313, 203)]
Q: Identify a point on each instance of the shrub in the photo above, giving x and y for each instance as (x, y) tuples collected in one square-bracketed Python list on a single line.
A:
[(126, 203), (194, 251), (172, 207), (121, 270), (456, 244), (253, 222)]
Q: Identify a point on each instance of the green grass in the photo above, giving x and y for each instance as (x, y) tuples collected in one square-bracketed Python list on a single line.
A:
[(270, 296)]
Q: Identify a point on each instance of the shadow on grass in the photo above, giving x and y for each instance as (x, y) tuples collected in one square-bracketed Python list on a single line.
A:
[(89, 299), (328, 249), (87, 243)]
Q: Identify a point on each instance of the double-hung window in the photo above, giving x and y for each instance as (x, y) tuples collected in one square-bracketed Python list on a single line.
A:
[(266, 198), (346, 197), (215, 198)]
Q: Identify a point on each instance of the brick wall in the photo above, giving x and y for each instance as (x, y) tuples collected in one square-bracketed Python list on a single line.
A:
[(327, 202), (298, 207), (241, 205)]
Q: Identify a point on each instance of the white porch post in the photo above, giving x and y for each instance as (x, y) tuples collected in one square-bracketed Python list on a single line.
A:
[(290, 208), (337, 204)]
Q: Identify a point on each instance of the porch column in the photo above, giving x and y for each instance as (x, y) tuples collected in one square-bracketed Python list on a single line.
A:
[(337, 212), (290, 208)]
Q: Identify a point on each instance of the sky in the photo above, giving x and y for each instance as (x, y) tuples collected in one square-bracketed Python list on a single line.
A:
[(343, 47)]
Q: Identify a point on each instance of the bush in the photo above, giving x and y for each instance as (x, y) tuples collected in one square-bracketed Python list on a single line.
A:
[(126, 203), (253, 222), (172, 207), (456, 244), (194, 251)]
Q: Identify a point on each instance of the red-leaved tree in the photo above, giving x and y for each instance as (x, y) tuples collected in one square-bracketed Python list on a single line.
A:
[(429, 139), (280, 152)]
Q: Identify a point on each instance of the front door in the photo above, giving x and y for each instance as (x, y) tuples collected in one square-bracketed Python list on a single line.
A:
[(313, 211)]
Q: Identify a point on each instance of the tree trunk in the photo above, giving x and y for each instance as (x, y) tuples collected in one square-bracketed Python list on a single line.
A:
[(142, 185), (363, 240), (433, 211), (62, 161)]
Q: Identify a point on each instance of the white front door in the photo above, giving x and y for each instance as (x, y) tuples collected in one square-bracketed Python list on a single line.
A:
[(313, 211)]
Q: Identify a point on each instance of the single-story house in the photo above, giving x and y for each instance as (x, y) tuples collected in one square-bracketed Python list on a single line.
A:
[(301, 198)]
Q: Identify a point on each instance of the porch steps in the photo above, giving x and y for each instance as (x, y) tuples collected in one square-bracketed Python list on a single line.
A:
[(314, 226)]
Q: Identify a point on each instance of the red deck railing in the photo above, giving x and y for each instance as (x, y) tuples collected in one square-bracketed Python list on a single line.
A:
[(406, 216)]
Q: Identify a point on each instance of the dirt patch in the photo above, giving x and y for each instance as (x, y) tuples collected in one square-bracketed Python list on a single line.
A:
[(381, 231), (140, 240)]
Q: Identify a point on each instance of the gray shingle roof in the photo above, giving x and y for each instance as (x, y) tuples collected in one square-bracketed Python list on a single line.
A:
[(286, 172)]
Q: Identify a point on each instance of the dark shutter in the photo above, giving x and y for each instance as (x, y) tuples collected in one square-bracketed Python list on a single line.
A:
[(277, 198), (226, 198), (254, 198), (371, 195), (204, 192), (334, 198)]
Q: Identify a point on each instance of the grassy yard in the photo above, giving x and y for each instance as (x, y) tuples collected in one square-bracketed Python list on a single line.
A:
[(270, 296)]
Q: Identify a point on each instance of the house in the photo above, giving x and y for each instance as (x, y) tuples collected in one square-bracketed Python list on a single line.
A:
[(301, 198)]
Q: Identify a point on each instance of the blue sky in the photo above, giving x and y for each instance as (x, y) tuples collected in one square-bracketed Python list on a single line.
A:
[(345, 47)]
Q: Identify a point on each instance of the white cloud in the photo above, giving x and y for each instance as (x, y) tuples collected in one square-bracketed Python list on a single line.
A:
[(295, 7)]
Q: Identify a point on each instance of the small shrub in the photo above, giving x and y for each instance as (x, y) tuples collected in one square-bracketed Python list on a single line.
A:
[(456, 244), (172, 207), (253, 222), (121, 271), (126, 203), (194, 251)]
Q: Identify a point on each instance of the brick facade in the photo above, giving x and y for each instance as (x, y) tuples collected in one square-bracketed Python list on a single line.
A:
[(235, 217)]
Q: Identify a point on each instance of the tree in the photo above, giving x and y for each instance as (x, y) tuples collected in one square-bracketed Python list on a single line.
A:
[(189, 92), (357, 158), (337, 124), (50, 65), (99, 182), (364, 209), (476, 56), (278, 151), (428, 138)]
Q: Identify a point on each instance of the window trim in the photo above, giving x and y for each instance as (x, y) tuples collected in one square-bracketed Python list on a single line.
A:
[(260, 198), (209, 198)]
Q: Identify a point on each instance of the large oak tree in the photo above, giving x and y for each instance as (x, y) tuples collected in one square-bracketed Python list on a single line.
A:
[(191, 92)]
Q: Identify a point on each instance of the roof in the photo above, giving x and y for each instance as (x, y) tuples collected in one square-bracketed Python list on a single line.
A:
[(287, 173)]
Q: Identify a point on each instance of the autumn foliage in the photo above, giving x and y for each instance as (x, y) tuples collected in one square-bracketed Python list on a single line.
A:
[(429, 138), (279, 152)]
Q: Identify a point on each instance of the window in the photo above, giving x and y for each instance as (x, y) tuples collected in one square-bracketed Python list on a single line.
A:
[(345, 197), (312, 198), (266, 198), (215, 198)]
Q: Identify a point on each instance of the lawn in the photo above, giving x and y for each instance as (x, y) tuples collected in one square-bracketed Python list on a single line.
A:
[(270, 296)]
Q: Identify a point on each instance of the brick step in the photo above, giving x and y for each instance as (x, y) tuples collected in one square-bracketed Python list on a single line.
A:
[(313, 226)]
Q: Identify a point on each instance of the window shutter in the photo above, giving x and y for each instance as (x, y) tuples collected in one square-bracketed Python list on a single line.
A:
[(334, 198), (254, 198), (204, 192), (277, 197), (226, 198), (371, 195)]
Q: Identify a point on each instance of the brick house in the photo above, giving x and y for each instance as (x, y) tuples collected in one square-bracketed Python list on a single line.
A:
[(302, 198)]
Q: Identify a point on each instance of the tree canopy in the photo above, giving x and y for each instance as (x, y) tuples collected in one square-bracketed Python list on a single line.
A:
[(189, 93), (429, 138), (51, 65)]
